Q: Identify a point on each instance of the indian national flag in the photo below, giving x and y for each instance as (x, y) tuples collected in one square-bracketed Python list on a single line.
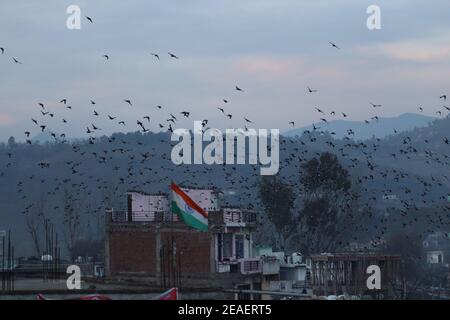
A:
[(188, 210)]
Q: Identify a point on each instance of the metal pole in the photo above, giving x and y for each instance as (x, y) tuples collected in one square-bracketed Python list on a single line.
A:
[(52, 269), (55, 257), (8, 262), (12, 269), (3, 263)]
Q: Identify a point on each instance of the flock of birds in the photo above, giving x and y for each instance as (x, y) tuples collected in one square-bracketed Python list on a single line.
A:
[(94, 173)]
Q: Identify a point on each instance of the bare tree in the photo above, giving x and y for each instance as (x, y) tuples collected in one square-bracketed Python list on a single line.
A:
[(72, 209), (33, 220)]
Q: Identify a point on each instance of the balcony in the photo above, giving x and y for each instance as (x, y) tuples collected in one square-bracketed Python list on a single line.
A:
[(223, 267), (250, 266), (123, 216), (225, 217), (233, 217)]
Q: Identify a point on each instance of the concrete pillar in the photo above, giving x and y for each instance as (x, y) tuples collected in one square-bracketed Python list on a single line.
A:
[(107, 246), (158, 251), (212, 253)]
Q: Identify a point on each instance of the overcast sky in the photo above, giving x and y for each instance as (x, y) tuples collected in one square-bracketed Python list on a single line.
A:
[(273, 50)]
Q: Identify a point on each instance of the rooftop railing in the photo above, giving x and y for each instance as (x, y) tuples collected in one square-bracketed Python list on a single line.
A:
[(122, 216)]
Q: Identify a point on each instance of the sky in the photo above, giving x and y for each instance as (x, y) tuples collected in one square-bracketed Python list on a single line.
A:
[(273, 50)]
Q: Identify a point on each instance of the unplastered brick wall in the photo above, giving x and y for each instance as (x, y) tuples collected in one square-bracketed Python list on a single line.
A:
[(132, 251), (137, 250), (193, 250)]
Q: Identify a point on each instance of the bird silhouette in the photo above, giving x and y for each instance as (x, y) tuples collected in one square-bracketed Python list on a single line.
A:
[(333, 45), (375, 105)]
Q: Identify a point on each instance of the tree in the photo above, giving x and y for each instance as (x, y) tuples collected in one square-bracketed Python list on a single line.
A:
[(413, 272), (277, 199), (72, 220), (323, 176), (33, 221), (11, 142), (327, 203)]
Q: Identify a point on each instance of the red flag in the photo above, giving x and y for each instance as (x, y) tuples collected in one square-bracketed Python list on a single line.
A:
[(88, 297), (171, 294)]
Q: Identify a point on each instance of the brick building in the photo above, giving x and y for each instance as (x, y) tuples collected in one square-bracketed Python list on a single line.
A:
[(149, 242)]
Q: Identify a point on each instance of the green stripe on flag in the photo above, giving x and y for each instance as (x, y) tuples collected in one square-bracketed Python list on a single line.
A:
[(188, 219)]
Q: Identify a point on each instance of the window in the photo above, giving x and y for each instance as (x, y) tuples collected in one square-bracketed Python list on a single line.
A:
[(227, 246), (239, 244)]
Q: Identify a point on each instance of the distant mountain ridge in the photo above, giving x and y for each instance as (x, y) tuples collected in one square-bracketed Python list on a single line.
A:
[(379, 128)]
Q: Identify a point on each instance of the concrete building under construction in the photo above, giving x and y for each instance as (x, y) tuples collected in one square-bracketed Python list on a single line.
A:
[(346, 273), (149, 241)]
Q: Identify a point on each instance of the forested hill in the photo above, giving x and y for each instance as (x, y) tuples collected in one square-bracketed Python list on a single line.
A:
[(86, 176)]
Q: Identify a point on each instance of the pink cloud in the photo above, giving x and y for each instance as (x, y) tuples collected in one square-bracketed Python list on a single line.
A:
[(263, 68), (413, 50), (418, 53), (6, 119)]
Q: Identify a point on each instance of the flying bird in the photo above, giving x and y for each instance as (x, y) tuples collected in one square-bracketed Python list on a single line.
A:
[(239, 89), (89, 19), (319, 110), (172, 55), (333, 45), (155, 55)]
